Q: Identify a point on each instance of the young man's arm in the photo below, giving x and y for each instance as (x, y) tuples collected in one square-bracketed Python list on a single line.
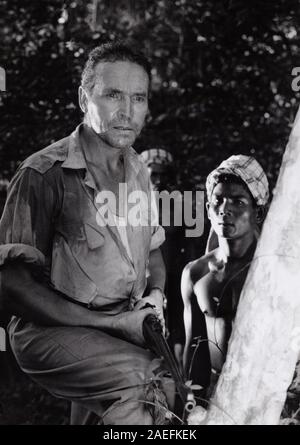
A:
[(191, 276), (186, 292)]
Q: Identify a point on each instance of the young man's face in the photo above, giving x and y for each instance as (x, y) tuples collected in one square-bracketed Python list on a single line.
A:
[(231, 211), (117, 107)]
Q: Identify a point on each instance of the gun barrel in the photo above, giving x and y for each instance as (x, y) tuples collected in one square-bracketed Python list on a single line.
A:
[(155, 339)]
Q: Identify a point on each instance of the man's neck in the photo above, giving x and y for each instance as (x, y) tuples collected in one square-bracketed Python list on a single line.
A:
[(235, 248), (99, 154)]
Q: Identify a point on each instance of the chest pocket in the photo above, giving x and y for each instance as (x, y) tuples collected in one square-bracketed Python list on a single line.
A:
[(94, 237), (78, 222)]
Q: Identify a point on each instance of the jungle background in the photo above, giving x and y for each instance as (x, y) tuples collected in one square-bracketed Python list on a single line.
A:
[(222, 85)]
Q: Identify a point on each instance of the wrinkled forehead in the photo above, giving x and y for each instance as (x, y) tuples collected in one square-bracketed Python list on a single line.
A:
[(121, 75)]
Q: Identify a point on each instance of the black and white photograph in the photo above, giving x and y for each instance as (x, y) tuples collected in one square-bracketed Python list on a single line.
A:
[(150, 215)]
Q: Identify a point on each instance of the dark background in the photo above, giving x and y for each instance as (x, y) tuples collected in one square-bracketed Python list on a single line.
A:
[(221, 86)]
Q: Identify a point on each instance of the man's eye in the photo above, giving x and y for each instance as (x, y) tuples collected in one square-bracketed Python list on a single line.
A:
[(139, 99), (114, 95)]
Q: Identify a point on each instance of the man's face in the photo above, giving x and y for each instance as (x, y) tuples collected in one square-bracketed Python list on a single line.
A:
[(159, 176), (118, 104), (231, 211)]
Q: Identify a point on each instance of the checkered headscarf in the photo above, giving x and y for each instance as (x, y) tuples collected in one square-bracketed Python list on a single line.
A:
[(157, 156), (248, 170)]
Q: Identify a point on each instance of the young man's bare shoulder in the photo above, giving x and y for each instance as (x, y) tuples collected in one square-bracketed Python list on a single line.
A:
[(199, 267)]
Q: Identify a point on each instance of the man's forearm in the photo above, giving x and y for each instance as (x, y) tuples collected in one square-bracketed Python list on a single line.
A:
[(157, 270), (40, 304), (33, 301)]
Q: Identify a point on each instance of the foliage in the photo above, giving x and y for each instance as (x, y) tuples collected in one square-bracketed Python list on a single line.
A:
[(291, 411), (221, 76), (23, 402)]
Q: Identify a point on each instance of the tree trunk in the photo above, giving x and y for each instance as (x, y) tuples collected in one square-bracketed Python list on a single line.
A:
[(265, 341)]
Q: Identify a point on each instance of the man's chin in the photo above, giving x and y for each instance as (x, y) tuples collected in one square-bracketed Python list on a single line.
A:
[(226, 232), (124, 142)]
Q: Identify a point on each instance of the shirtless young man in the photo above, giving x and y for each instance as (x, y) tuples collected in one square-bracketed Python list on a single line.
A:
[(237, 193)]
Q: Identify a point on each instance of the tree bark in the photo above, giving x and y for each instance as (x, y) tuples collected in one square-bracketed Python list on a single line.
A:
[(265, 340)]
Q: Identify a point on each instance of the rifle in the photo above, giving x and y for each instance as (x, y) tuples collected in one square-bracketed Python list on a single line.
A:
[(154, 337)]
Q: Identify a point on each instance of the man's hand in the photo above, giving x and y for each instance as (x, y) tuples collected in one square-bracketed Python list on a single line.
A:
[(40, 304), (155, 299)]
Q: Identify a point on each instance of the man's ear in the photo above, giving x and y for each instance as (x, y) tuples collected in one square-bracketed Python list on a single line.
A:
[(82, 99), (260, 214), (207, 209)]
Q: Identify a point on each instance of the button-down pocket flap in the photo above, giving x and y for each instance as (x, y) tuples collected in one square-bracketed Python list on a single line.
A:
[(71, 231), (94, 236)]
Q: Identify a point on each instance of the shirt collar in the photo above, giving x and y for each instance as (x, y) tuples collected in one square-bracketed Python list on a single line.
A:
[(75, 159)]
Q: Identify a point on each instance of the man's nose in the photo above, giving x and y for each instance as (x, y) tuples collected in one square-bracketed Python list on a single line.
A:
[(225, 208), (125, 108)]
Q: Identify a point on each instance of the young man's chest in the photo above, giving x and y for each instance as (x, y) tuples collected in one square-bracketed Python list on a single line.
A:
[(218, 293)]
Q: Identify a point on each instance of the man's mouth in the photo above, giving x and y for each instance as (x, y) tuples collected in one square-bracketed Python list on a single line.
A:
[(122, 128)]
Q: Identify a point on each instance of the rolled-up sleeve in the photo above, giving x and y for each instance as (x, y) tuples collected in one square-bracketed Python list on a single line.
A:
[(26, 226)]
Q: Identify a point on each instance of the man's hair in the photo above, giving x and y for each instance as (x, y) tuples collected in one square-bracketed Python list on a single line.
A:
[(111, 52), (226, 178)]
